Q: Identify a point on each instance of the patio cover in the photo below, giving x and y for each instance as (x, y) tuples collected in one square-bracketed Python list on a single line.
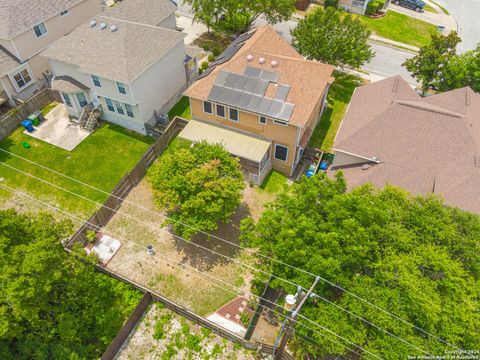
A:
[(67, 84), (236, 143)]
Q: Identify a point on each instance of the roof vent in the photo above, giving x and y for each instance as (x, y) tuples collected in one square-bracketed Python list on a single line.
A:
[(113, 28), (249, 57), (103, 26), (365, 166), (93, 23), (261, 60), (274, 63)]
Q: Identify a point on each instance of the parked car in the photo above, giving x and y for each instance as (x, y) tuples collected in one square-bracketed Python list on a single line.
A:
[(416, 5)]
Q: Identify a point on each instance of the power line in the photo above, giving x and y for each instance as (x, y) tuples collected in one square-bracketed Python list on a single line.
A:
[(214, 236), (166, 257)]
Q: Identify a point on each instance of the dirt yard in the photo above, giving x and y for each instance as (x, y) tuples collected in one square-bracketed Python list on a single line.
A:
[(162, 334)]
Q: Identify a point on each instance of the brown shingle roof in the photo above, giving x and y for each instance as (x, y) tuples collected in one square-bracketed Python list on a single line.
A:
[(307, 79), (422, 144), (150, 12)]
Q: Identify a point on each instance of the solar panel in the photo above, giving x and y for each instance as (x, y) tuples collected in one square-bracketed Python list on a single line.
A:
[(286, 112), (252, 72), (214, 93), (265, 106), (234, 97), (282, 92), (244, 100), (254, 103), (275, 109), (269, 76)]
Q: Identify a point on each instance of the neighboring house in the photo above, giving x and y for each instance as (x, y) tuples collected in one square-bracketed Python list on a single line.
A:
[(134, 70), (354, 6), (26, 28), (425, 145), (261, 100)]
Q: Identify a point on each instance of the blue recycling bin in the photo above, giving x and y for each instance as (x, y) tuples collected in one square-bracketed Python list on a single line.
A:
[(27, 124), (324, 165)]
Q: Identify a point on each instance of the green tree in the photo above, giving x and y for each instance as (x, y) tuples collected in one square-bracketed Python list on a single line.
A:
[(235, 17), (410, 255), (333, 37), (52, 305), (461, 70), (198, 185), (427, 66)]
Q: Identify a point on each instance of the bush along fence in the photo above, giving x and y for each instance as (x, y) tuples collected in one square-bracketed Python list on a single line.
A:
[(101, 218), (10, 121)]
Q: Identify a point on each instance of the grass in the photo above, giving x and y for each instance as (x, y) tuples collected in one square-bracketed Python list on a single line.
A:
[(181, 108), (430, 9), (401, 28), (339, 96), (273, 183), (441, 7), (101, 160), (46, 109)]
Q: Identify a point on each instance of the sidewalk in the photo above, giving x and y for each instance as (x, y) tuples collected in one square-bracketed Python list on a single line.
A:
[(397, 44)]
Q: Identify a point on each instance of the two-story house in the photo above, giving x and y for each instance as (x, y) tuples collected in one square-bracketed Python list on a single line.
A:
[(27, 27), (134, 70), (261, 99)]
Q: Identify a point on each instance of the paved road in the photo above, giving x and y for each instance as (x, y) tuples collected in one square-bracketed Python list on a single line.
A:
[(467, 14)]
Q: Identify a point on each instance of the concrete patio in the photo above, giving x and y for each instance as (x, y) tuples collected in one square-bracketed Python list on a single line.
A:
[(59, 130)]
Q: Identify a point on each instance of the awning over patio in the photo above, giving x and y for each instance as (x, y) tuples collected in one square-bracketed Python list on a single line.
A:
[(236, 143), (67, 84)]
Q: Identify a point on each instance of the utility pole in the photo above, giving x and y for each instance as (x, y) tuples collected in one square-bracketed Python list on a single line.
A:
[(290, 324)]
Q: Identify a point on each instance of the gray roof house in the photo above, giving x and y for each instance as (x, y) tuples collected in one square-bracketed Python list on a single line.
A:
[(423, 144), (26, 28), (133, 70)]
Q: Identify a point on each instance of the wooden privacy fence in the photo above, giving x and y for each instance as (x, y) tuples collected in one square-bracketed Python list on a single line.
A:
[(103, 215), (10, 121)]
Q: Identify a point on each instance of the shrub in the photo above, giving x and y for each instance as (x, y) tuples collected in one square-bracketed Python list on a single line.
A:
[(211, 57), (331, 3), (371, 8), (193, 343), (204, 65)]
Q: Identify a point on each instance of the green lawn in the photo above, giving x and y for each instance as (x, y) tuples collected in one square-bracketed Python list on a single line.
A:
[(181, 108), (273, 183), (101, 160), (401, 28), (339, 96), (430, 9)]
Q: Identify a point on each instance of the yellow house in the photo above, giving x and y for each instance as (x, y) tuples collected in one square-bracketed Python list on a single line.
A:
[(261, 100)]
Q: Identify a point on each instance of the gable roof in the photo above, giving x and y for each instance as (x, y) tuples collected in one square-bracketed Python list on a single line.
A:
[(17, 16), (150, 12), (121, 55), (425, 145), (306, 79), (8, 61)]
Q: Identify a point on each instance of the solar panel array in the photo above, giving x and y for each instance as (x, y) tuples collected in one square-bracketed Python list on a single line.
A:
[(248, 92), (257, 73)]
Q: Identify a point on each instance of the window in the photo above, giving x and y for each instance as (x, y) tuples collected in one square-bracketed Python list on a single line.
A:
[(233, 114), (40, 30), (207, 107), (278, 122), (262, 120), (67, 99), (64, 12), (96, 81), (119, 107), (281, 152), (22, 78), (110, 104), (221, 110), (129, 109), (82, 99), (121, 88)]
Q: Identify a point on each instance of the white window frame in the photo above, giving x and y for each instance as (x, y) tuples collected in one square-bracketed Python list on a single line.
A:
[(211, 107), (17, 71), (118, 87), (64, 12), (119, 105), (238, 115), (45, 33), (224, 110), (260, 120), (78, 101), (113, 104), (93, 81), (126, 110), (67, 99), (280, 122), (275, 151)]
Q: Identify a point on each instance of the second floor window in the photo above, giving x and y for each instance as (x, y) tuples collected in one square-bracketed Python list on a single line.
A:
[(262, 120), (121, 88), (40, 30), (96, 81), (220, 110)]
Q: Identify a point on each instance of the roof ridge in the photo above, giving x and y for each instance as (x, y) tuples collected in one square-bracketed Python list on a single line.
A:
[(418, 104), (141, 24)]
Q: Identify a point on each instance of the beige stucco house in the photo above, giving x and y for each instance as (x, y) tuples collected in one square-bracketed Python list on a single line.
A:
[(27, 27), (123, 62), (261, 100)]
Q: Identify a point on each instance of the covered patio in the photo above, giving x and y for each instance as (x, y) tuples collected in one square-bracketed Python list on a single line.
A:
[(254, 153)]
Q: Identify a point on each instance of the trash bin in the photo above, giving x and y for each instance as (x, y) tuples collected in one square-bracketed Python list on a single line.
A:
[(35, 118), (27, 124)]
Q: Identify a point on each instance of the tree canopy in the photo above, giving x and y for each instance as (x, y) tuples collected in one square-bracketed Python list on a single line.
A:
[(198, 185), (52, 305), (235, 17), (413, 256), (333, 37)]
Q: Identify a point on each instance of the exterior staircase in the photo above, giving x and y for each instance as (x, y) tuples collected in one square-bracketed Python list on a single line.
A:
[(88, 119)]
